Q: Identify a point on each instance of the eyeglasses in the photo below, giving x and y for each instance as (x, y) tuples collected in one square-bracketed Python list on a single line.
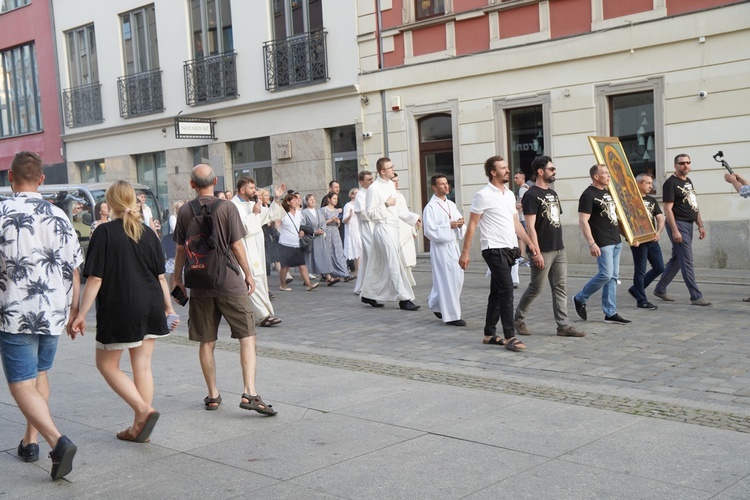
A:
[(684, 162), (551, 169)]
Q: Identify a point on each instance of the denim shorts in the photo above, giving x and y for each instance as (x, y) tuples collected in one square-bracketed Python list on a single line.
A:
[(25, 355)]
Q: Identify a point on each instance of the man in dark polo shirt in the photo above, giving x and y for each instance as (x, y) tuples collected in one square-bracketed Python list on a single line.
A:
[(681, 210), (230, 300), (597, 219)]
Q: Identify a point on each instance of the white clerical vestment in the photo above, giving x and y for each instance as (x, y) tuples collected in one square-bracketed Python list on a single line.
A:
[(386, 279), (447, 275), (255, 249), (406, 233), (360, 210)]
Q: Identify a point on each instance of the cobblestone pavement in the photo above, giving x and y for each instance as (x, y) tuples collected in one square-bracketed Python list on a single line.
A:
[(681, 362)]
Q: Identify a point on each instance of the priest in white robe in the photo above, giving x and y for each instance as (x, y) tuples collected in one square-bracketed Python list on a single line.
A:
[(444, 225), (385, 277), (360, 210), (254, 216)]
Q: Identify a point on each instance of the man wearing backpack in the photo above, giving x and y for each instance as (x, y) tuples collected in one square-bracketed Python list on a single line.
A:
[(219, 228)]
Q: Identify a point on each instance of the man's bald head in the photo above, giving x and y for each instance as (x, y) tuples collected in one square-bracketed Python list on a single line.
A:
[(203, 176)]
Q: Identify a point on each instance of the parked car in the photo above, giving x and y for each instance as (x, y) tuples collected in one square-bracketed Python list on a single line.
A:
[(78, 202)]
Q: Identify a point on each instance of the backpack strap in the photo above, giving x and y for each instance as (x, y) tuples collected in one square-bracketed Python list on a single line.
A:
[(195, 205)]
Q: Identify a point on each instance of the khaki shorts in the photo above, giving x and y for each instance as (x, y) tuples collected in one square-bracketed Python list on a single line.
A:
[(205, 314)]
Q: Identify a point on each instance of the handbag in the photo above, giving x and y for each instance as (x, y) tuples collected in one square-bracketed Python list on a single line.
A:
[(306, 240)]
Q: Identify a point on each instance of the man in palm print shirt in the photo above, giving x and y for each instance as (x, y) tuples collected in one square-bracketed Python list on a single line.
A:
[(38, 293)]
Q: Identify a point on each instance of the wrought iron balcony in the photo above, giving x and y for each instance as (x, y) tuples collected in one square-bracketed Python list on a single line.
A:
[(83, 105), (140, 94), (297, 60), (210, 79)]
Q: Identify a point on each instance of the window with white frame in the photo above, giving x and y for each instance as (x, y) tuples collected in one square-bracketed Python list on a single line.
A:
[(139, 41), (20, 102), (212, 27), (6, 5), (83, 67)]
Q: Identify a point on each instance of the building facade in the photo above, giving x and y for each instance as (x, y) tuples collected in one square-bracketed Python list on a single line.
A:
[(29, 102), (452, 82), (263, 88)]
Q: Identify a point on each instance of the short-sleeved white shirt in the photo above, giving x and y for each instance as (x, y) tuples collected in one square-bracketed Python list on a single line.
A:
[(498, 210)]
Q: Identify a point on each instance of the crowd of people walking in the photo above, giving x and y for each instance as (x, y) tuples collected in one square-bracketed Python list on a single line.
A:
[(249, 233)]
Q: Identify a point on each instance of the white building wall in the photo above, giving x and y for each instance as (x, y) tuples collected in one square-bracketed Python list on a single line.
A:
[(666, 53)]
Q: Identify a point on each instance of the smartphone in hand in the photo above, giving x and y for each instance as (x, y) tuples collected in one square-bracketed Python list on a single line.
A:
[(179, 296)]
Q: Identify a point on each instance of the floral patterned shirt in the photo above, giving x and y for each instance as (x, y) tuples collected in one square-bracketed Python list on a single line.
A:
[(39, 251)]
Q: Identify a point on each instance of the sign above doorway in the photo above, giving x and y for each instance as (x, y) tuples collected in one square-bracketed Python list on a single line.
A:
[(194, 128)]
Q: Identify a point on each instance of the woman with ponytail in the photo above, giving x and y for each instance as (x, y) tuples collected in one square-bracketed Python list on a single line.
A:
[(125, 271)]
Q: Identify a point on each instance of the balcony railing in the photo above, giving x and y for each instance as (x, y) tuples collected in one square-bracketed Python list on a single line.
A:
[(83, 105), (140, 94), (297, 60), (210, 79)]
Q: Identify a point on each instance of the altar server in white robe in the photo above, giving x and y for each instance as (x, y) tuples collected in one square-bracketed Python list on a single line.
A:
[(365, 227), (254, 216), (407, 234), (385, 277), (444, 225)]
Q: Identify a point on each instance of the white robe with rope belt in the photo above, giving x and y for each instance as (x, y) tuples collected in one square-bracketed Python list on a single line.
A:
[(447, 275), (255, 248), (386, 279)]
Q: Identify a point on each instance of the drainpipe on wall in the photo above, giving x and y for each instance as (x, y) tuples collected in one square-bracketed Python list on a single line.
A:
[(381, 64), (63, 152)]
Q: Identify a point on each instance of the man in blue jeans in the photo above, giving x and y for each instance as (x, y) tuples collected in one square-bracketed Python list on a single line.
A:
[(597, 218), (649, 252), (681, 210), (38, 294)]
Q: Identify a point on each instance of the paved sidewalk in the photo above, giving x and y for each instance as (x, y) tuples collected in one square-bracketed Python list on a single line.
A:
[(378, 403)]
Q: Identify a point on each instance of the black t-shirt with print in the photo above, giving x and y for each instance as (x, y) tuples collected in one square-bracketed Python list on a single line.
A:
[(653, 208), (682, 194), (545, 205), (603, 221)]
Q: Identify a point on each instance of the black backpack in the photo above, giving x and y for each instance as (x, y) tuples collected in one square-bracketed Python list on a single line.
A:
[(207, 264)]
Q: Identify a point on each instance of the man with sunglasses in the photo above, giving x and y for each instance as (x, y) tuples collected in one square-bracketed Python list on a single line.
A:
[(681, 210)]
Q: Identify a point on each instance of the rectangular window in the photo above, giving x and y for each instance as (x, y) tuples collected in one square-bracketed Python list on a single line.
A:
[(252, 158), (525, 137), (345, 162), (20, 103), (212, 27), (6, 5), (632, 121), (296, 17), (92, 171), (428, 8), (152, 171), (139, 42), (83, 67)]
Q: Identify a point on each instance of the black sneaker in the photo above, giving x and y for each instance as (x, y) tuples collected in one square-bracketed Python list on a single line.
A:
[(580, 308), (28, 453), (616, 319), (647, 305), (62, 458)]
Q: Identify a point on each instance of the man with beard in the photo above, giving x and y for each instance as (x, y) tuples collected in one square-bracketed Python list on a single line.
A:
[(542, 209), (493, 210)]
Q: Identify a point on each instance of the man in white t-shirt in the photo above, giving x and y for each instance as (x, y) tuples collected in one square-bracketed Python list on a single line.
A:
[(493, 210)]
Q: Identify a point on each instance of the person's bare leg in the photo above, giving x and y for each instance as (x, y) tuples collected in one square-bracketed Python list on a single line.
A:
[(305, 275), (208, 365), (42, 385), (108, 364), (282, 276), (143, 377), (248, 361), (33, 405)]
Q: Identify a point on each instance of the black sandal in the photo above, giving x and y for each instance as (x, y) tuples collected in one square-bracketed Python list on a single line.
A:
[(512, 344), (270, 321), (208, 401), (495, 340), (254, 403)]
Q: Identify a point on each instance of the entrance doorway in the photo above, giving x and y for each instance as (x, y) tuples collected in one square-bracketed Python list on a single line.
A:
[(435, 155)]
